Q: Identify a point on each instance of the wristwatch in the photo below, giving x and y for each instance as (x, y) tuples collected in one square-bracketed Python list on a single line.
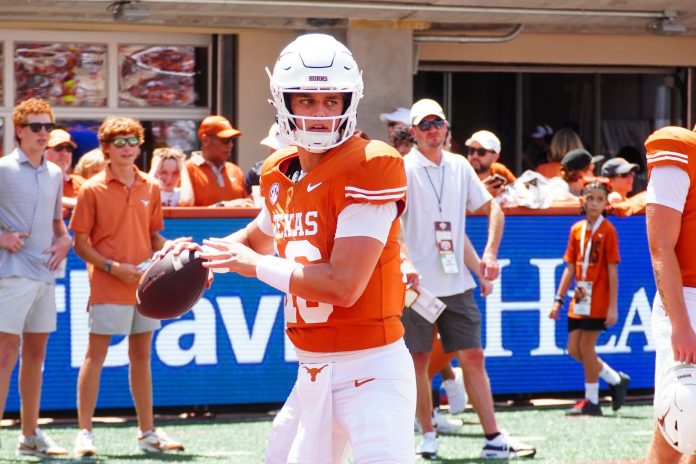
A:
[(559, 299), (107, 265)]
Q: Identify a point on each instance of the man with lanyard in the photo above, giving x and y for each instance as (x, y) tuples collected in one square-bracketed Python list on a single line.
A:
[(443, 187)]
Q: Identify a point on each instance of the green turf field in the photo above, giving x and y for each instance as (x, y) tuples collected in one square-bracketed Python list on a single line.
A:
[(615, 438)]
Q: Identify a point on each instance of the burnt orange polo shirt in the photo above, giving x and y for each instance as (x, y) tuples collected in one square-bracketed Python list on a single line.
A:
[(71, 186), (498, 168), (208, 189), (119, 221)]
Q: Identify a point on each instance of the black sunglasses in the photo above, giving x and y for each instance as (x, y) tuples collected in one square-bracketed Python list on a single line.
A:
[(225, 141), (37, 126), (628, 174), (121, 142), (64, 147), (476, 151), (428, 123)]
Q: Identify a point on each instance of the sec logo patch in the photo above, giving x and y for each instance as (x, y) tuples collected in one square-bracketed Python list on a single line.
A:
[(275, 191)]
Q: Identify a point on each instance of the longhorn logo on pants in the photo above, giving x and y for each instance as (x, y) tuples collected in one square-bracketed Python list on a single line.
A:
[(314, 371)]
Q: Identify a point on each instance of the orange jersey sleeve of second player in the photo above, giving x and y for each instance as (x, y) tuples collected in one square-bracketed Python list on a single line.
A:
[(676, 146)]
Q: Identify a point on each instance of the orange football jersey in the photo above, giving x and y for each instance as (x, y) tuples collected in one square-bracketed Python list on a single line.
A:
[(305, 216), (604, 251), (676, 146)]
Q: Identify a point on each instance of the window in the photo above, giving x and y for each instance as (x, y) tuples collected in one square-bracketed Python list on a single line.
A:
[(170, 76), (64, 74)]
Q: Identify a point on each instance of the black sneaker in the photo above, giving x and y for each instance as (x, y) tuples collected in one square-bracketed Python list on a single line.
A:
[(618, 391), (584, 408)]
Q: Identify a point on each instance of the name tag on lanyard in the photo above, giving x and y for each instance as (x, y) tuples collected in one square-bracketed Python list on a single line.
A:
[(445, 247)]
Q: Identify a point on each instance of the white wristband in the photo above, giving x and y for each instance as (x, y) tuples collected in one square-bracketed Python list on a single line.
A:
[(276, 272)]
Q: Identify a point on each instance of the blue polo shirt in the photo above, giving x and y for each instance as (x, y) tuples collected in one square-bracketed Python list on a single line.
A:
[(30, 200)]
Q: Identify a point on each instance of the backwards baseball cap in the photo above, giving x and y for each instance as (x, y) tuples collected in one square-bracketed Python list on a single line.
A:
[(218, 126), (486, 139), (58, 137), (616, 166), (423, 108), (275, 139), (400, 115)]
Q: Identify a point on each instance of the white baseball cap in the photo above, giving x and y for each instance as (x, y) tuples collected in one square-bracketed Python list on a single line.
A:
[(400, 115), (486, 139), (275, 139), (426, 107)]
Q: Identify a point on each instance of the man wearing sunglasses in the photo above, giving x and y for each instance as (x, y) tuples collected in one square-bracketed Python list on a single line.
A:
[(483, 152), (621, 174), (443, 188), (215, 180), (59, 151), (33, 242), (117, 223)]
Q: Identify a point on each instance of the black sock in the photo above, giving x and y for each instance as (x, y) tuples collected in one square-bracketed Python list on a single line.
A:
[(492, 436)]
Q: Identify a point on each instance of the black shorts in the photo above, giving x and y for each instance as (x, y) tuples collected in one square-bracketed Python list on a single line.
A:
[(586, 323)]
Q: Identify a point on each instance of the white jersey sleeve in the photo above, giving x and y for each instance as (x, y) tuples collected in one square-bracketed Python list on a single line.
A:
[(668, 186), (263, 220), (366, 220)]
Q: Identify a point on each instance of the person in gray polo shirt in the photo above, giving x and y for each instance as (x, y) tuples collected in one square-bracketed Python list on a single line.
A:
[(33, 243)]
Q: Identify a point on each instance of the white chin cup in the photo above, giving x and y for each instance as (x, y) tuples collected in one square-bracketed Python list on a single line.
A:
[(316, 142)]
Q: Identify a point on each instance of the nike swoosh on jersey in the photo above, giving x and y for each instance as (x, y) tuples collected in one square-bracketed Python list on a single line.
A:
[(311, 187), (363, 382)]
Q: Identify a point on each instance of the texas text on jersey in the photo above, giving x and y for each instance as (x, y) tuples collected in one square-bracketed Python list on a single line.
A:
[(305, 216)]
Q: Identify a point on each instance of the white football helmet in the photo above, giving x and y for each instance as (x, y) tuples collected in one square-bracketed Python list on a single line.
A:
[(316, 63), (675, 408)]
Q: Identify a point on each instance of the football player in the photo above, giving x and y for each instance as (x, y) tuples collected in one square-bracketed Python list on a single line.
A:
[(331, 208), (671, 222)]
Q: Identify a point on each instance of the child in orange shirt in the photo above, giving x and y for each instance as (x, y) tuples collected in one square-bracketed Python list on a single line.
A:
[(591, 257)]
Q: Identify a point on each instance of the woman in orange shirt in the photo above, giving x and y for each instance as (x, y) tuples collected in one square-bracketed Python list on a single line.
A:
[(591, 257)]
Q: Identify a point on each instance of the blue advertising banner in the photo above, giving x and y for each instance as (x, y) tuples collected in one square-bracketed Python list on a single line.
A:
[(231, 347)]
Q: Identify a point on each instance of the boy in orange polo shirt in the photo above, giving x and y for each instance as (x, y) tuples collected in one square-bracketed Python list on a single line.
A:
[(116, 223)]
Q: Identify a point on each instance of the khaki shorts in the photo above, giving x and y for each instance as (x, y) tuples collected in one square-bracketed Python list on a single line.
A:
[(459, 326), (27, 305), (116, 319)]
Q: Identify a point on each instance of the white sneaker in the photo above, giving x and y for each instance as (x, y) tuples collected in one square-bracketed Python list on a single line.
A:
[(84, 444), (429, 446), (504, 447), (456, 394), (39, 444), (445, 425), (156, 441)]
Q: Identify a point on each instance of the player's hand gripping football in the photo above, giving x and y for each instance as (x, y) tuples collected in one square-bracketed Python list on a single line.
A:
[(232, 256), (176, 246)]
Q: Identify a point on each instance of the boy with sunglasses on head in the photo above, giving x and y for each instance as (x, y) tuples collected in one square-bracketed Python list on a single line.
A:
[(215, 180), (591, 259), (59, 151), (483, 152), (117, 224), (33, 242)]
